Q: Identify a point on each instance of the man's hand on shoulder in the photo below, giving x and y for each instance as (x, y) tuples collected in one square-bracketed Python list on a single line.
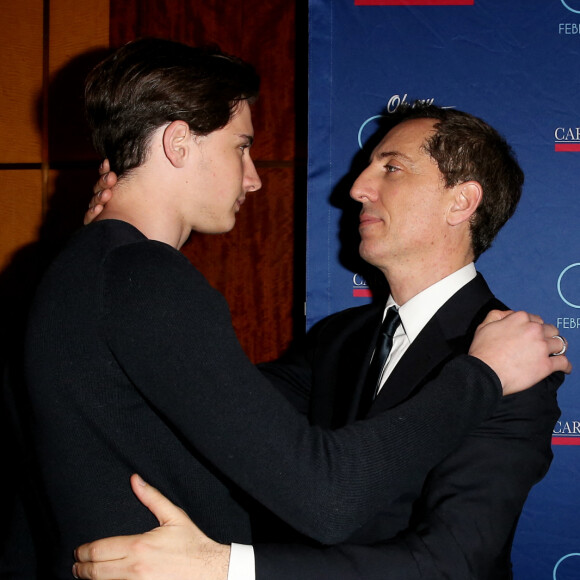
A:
[(520, 348)]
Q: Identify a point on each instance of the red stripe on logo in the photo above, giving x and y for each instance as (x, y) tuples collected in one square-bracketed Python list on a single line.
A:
[(565, 440), (362, 293), (567, 147), (414, 2)]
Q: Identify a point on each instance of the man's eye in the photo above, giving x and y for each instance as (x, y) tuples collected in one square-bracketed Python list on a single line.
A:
[(391, 168)]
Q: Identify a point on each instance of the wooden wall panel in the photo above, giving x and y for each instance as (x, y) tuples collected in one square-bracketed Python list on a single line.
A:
[(253, 266), (78, 38), (25, 117), (35, 48), (75, 28), (262, 33), (21, 211), (21, 85)]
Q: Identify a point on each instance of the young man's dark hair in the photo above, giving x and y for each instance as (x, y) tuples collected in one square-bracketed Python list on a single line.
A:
[(467, 148), (151, 82)]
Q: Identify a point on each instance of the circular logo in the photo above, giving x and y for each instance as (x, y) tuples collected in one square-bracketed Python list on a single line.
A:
[(565, 288), (555, 577), (567, 3), (362, 127)]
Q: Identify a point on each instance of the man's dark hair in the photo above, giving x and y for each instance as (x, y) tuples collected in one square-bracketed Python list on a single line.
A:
[(151, 82), (467, 148)]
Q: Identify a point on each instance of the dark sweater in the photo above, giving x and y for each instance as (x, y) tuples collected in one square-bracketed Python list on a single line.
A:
[(133, 366)]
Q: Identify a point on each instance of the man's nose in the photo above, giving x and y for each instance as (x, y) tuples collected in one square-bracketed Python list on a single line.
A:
[(362, 189)]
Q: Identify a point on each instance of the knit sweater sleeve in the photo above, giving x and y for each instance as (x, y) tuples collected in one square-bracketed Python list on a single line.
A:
[(171, 334)]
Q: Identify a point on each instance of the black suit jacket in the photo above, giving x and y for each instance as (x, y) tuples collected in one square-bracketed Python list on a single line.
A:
[(459, 523)]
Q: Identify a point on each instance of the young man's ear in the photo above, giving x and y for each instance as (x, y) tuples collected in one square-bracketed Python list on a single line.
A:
[(466, 198), (177, 140)]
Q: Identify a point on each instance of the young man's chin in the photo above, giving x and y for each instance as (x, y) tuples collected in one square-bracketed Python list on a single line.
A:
[(225, 228)]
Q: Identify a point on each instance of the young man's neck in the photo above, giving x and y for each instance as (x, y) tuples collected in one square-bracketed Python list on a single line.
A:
[(142, 202)]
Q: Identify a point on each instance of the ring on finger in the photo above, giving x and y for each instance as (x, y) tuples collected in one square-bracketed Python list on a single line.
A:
[(564, 346)]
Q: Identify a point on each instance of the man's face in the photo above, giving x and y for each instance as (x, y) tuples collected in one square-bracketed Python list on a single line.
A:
[(223, 173), (404, 201)]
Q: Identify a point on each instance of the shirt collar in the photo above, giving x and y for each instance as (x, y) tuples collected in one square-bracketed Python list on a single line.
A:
[(417, 311)]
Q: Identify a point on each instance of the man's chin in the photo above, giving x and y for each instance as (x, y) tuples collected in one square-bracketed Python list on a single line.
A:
[(372, 252)]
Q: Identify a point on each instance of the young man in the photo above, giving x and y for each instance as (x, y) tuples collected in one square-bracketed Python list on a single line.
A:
[(438, 188)]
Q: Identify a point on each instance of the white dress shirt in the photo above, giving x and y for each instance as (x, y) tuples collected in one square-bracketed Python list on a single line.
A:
[(415, 314)]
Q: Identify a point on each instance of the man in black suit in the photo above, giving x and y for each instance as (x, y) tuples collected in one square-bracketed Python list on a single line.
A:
[(438, 188)]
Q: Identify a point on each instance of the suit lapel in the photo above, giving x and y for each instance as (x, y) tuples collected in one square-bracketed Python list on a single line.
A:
[(447, 334), (362, 345), (344, 348)]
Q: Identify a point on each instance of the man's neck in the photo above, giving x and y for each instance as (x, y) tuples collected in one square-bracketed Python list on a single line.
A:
[(406, 283), (145, 205)]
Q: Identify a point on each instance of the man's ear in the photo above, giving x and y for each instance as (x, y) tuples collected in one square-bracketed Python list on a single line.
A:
[(466, 198), (177, 140)]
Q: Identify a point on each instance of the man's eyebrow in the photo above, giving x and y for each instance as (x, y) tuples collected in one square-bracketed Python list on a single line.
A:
[(384, 154)]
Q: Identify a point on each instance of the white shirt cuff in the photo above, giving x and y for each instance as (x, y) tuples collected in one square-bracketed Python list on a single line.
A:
[(242, 563)]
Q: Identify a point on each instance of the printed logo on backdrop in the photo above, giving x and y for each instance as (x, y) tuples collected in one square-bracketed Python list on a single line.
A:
[(572, 5), (414, 2), (392, 105), (360, 288), (567, 139), (566, 432), (568, 286), (565, 565), (570, 28)]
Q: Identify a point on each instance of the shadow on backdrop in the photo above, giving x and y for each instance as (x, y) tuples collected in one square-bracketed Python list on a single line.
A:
[(75, 163), (349, 237)]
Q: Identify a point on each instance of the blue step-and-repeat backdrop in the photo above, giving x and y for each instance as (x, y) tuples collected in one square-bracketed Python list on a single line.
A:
[(516, 64)]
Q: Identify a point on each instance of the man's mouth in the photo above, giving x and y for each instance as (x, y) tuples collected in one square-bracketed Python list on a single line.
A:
[(367, 220)]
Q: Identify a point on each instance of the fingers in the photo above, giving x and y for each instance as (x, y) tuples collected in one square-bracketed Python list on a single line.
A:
[(102, 192), (561, 363), (558, 347), (169, 551), (550, 331), (536, 318), (520, 348), (99, 199), (100, 571), (558, 344), (495, 316), (165, 511), (105, 167), (92, 213), (107, 549), (106, 181)]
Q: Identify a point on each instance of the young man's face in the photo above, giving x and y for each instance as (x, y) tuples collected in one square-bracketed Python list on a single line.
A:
[(403, 198), (223, 173)]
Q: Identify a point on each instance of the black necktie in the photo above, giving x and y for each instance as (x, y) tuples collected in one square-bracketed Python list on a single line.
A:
[(380, 356)]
